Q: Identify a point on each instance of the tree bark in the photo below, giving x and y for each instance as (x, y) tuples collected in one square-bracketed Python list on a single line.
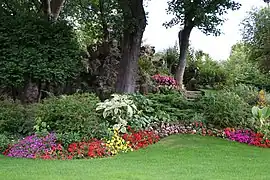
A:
[(135, 19), (45, 4), (183, 37), (30, 93), (52, 8), (56, 7)]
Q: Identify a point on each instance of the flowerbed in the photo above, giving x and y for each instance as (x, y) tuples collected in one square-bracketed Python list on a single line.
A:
[(48, 148), (246, 136)]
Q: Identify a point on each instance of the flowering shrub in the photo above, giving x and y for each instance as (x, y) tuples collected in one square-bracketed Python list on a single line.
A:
[(165, 83), (141, 139), (117, 144)]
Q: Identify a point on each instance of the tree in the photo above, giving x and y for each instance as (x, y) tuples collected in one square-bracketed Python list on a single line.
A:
[(134, 26), (96, 21), (206, 15), (256, 33)]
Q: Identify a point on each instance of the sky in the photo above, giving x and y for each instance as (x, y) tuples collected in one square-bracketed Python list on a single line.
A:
[(218, 47)]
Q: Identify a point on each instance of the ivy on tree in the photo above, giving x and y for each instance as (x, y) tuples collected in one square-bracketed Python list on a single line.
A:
[(206, 15)]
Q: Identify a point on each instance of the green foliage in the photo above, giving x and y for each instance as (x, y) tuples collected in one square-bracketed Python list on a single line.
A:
[(241, 69), (171, 57), (70, 114), (34, 48), (256, 32), (16, 118), (261, 114), (145, 115), (4, 142), (204, 14), (120, 109), (41, 128), (172, 107), (67, 138), (261, 120), (211, 73), (247, 92), (225, 109), (94, 19), (208, 71)]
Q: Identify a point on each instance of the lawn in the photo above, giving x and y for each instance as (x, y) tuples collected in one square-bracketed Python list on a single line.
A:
[(176, 157)]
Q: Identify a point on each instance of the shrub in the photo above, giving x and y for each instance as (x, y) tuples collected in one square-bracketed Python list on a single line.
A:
[(15, 118), (4, 142), (173, 106), (164, 80), (247, 92), (44, 51), (225, 109), (164, 84), (75, 113), (68, 137)]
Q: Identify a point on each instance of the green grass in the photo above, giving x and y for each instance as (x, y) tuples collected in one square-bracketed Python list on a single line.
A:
[(177, 157)]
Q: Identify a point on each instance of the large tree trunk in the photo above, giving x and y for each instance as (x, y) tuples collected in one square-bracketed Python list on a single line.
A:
[(183, 37), (135, 21)]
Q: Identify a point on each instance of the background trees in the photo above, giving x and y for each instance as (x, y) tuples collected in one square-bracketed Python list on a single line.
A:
[(206, 15), (63, 46), (256, 33)]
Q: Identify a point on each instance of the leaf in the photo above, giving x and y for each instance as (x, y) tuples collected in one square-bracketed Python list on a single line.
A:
[(123, 130), (265, 113), (116, 126), (255, 110), (129, 111)]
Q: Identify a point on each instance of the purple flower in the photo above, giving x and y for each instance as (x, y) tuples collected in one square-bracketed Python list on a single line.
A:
[(33, 145)]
